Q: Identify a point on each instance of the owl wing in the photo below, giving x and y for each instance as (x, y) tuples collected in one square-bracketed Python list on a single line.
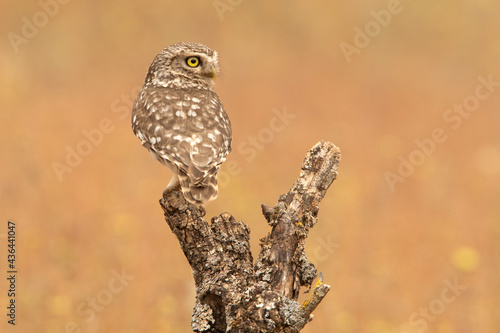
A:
[(187, 128)]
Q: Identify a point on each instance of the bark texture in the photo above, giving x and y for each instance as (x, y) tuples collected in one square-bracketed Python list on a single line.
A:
[(232, 293)]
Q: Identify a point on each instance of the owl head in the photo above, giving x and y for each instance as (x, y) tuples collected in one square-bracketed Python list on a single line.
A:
[(184, 65)]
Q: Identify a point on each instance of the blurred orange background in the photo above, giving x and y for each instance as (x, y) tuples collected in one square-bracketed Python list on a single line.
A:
[(408, 235)]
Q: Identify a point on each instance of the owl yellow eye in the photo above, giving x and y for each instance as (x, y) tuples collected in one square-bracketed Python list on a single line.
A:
[(193, 61)]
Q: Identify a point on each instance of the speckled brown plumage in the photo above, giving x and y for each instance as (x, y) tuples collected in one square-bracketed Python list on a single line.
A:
[(181, 120)]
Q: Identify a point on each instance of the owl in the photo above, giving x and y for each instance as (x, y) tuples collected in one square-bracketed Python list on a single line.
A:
[(181, 120)]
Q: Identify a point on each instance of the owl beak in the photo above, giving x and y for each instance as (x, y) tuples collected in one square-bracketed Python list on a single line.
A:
[(211, 72)]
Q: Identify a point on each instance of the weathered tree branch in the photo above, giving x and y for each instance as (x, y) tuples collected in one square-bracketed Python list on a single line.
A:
[(234, 295)]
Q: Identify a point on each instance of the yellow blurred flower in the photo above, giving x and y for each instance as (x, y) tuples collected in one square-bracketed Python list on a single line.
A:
[(465, 258), (380, 326), (122, 225), (59, 305), (345, 322), (445, 327)]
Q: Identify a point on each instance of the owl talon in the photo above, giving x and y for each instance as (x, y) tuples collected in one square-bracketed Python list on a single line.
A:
[(202, 210), (168, 190)]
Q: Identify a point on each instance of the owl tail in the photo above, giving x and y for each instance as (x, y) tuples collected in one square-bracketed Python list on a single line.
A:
[(201, 191)]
